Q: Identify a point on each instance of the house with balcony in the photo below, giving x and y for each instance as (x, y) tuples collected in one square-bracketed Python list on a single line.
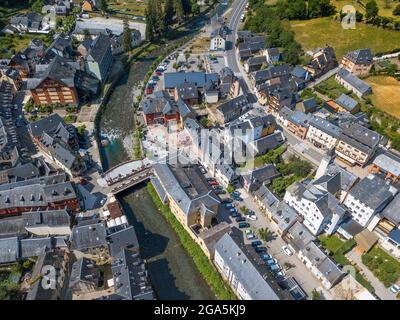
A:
[(356, 143), (358, 62), (322, 133), (387, 164), (322, 61)]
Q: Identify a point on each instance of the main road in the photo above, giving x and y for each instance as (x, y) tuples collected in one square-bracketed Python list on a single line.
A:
[(231, 56)]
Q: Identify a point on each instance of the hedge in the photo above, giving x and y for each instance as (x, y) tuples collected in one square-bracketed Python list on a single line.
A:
[(203, 264)]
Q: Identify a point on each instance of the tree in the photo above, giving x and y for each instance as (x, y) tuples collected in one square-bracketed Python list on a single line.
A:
[(371, 9), (396, 11), (265, 234), (187, 56), (149, 26), (175, 66), (244, 210), (169, 12), (37, 6), (316, 295), (230, 188), (320, 8), (103, 6), (59, 22), (86, 34), (127, 38), (179, 10)]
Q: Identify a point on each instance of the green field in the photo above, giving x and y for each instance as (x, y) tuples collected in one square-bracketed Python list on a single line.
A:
[(316, 33), (132, 7), (14, 43)]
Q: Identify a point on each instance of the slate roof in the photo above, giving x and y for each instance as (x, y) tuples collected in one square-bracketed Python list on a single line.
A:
[(58, 70), (187, 91), (84, 270), (394, 235), (262, 174), (244, 270), (309, 105), (271, 72), (392, 211), (123, 239), (99, 49), (346, 102), (359, 136), (267, 143), (360, 56), (354, 81), (89, 236), (299, 236), (12, 227), (388, 162), (161, 103), (9, 250), (200, 79), (372, 191), (234, 105), (325, 126), (130, 276), (186, 185), (255, 61), (50, 218)]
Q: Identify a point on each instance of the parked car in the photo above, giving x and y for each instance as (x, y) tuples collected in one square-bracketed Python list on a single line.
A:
[(217, 187), (275, 267), (260, 249), (287, 251), (395, 288), (235, 194), (235, 215), (250, 236), (202, 170), (211, 179), (232, 210), (265, 256), (240, 219), (149, 90), (229, 205), (251, 217), (158, 73), (219, 191), (155, 78), (227, 200), (271, 261), (256, 243), (243, 225), (213, 183), (237, 198)]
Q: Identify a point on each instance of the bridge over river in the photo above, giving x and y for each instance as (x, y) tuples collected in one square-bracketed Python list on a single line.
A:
[(126, 175)]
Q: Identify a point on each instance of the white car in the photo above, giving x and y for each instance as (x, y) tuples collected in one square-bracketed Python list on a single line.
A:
[(287, 251), (252, 217), (395, 288)]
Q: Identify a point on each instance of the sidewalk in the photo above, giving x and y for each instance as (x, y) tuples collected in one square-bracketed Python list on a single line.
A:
[(380, 290)]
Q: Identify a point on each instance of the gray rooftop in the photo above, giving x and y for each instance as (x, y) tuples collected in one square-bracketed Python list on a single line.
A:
[(325, 126), (123, 239), (359, 136), (388, 162), (244, 270), (346, 102), (354, 81), (89, 236), (373, 191)]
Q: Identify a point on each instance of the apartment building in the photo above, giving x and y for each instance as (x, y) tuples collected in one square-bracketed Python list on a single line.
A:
[(322, 133), (358, 62)]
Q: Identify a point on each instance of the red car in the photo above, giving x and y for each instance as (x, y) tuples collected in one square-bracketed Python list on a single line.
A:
[(149, 90), (213, 183), (158, 73)]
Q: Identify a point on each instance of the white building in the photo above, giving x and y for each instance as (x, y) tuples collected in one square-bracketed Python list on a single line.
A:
[(322, 133), (218, 41), (238, 270), (367, 198), (315, 201)]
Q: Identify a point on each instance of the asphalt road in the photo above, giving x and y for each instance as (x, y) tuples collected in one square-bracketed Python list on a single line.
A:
[(232, 60)]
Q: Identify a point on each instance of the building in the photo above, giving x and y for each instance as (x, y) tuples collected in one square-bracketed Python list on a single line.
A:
[(43, 193), (11, 76), (187, 92), (356, 143), (358, 62), (50, 269), (282, 216), (322, 267), (239, 271), (46, 223), (315, 201), (232, 109), (264, 75), (124, 237), (277, 98), (84, 276), (89, 239), (307, 106), (218, 39), (272, 55), (99, 58), (387, 164), (200, 79), (264, 144), (130, 279), (353, 83), (297, 122), (255, 178), (160, 110), (189, 196), (254, 63), (54, 83), (367, 198), (342, 104), (322, 61), (322, 133)]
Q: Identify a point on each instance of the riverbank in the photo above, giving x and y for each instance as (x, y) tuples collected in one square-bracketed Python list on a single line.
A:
[(173, 273), (203, 264)]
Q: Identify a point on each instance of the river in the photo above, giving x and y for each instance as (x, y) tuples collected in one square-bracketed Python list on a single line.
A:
[(171, 270)]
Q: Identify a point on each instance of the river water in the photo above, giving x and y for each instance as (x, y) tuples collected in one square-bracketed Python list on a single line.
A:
[(171, 270)]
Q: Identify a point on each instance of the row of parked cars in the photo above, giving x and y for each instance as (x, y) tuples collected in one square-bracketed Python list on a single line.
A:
[(218, 189), (154, 79)]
